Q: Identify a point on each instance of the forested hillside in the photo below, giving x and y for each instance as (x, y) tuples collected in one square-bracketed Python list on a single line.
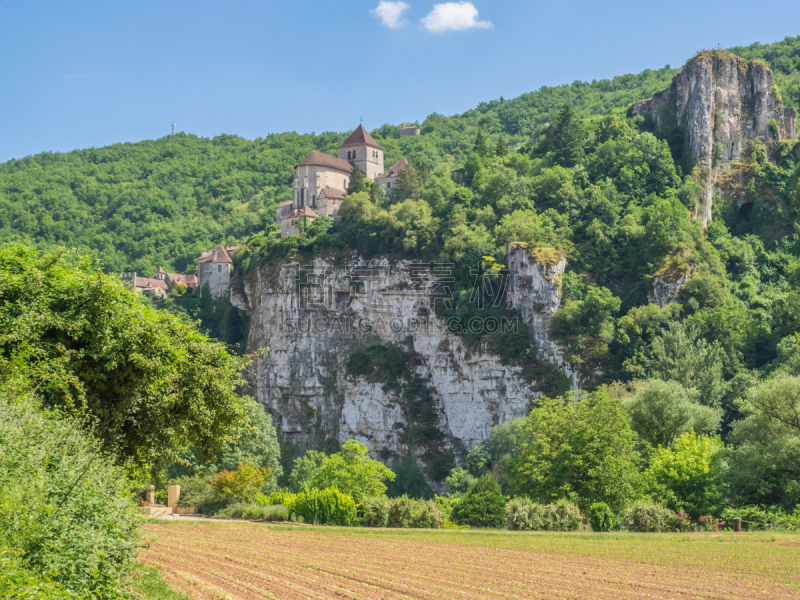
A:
[(142, 205)]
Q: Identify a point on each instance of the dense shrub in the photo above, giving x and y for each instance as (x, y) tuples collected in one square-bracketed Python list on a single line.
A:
[(62, 503), (326, 507), (404, 512), (17, 583), (254, 512), (524, 515), (197, 492), (282, 497), (376, 511), (601, 517), (483, 506), (241, 484), (756, 518), (653, 518)]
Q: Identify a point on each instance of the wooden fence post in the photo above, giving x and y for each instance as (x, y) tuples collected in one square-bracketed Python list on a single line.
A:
[(737, 524)]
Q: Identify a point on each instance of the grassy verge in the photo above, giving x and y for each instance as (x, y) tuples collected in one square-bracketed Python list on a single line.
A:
[(147, 583)]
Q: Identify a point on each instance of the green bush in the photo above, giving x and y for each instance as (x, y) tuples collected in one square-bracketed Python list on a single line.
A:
[(402, 512), (62, 503), (376, 511), (197, 492), (483, 506), (522, 514), (325, 507), (601, 517), (254, 512), (19, 584), (653, 518), (755, 518)]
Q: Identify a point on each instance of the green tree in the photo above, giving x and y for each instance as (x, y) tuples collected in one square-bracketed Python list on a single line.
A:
[(358, 182), (481, 148), (352, 472), (765, 468), (581, 448), (146, 382), (567, 137), (305, 469), (500, 148), (663, 410), (483, 505), (459, 481), (690, 475), (257, 446)]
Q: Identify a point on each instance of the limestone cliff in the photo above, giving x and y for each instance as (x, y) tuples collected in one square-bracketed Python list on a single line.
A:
[(720, 101), (313, 317)]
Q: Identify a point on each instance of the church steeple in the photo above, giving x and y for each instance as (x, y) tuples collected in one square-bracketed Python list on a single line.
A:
[(360, 149)]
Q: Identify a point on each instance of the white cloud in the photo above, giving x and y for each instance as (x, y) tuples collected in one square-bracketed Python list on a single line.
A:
[(391, 13), (454, 16)]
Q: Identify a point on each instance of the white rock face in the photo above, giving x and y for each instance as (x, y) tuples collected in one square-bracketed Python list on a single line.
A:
[(722, 101), (311, 328), (666, 290)]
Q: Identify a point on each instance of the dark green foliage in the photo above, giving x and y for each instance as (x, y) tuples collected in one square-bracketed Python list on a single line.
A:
[(567, 137), (500, 148), (147, 382), (197, 492), (580, 447), (357, 181), (252, 512), (524, 515), (483, 505), (601, 517), (481, 148), (410, 479), (64, 508)]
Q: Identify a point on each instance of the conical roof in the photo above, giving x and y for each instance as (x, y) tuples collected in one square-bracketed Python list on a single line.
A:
[(360, 137)]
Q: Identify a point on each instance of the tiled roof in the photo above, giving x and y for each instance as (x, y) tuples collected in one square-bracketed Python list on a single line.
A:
[(333, 193), (146, 283), (395, 169), (360, 137), (187, 280), (301, 212), (285, 203), (217, 255), (161, 270), (320, 159)]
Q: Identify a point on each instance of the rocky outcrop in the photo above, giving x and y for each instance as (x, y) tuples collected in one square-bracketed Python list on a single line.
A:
[(312, 317), (720, 101)]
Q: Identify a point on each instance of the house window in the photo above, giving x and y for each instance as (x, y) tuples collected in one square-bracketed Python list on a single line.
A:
[(219, 268), (314, 200), (220, 280), (388, 185), (302, 197)]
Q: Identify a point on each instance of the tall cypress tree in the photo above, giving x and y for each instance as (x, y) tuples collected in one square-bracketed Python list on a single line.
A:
[(500, 149), (480, 145), (567, 137), (357, 181)]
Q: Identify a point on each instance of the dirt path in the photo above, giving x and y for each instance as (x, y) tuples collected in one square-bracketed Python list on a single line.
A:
[(246, 562)]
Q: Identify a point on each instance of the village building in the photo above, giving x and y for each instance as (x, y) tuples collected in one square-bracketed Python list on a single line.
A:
[(410, 131), (321, 181), (215, 268), (388, 180)]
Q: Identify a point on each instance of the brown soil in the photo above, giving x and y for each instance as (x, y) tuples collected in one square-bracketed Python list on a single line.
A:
[(246, 562)]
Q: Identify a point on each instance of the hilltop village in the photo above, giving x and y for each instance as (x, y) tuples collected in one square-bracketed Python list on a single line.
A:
[(321, 180), (213, 268)]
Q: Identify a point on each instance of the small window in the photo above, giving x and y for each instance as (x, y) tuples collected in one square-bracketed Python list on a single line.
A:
[(220, 280), (219, 268), (388, 185)]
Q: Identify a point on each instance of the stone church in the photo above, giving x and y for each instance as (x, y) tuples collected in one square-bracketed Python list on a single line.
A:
[(321, 180)]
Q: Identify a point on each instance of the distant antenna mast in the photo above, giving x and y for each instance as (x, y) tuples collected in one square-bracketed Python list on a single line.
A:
[(173, 128)]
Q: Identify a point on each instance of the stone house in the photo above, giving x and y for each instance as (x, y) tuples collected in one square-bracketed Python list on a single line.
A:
[(215, 268), (388, 180), (410, 131)]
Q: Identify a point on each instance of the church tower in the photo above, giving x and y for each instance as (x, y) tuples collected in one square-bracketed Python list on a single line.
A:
[(360, 149)]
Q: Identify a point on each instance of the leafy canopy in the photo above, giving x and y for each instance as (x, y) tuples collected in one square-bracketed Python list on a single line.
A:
[(147, 383)]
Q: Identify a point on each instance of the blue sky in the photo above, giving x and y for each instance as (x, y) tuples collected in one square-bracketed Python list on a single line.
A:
[(94, 72)]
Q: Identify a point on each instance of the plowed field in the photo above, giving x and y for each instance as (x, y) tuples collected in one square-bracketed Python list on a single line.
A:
[(247, 561)]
